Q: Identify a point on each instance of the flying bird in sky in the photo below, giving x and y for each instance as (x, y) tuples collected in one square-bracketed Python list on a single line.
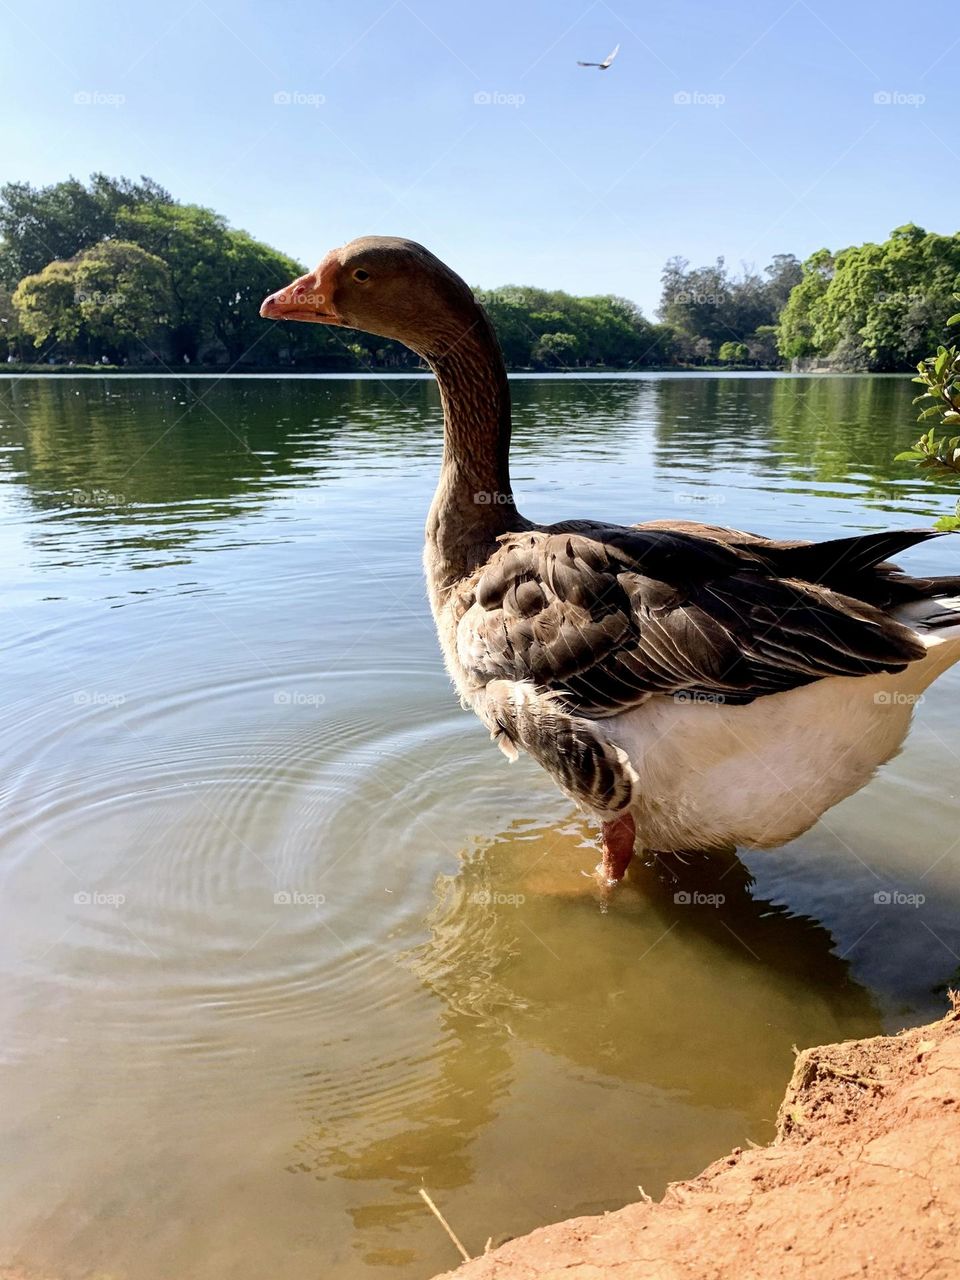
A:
[(605, 64)]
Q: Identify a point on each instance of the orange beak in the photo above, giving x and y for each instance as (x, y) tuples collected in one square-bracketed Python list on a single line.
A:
[(307, 298)]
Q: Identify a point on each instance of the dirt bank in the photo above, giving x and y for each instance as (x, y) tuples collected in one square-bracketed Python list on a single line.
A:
[(862, 1180)]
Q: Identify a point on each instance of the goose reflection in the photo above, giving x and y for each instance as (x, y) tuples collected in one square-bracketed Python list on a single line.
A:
[(687, 993)]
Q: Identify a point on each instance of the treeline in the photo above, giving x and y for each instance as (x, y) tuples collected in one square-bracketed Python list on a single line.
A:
[(714, 315), (117, 271), (874, 307)]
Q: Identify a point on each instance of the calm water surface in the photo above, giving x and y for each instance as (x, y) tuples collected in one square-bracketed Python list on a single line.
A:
[(283, 936)]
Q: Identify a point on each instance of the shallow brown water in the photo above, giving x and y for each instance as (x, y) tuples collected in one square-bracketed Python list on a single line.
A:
[(283, 936)]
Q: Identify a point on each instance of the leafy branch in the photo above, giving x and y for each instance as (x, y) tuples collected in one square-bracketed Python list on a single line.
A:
[(939, 456)]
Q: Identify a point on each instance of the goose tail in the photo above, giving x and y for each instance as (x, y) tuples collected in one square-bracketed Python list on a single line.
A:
[(935, 617)]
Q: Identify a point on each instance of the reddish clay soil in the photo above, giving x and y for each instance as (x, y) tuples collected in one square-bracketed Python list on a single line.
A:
[(862, 1180)]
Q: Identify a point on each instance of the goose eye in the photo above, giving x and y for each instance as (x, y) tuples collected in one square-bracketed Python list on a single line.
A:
[(361, 275)]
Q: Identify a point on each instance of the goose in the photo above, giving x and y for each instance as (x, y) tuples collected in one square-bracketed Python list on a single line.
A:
[(690, 687), (605, 64)]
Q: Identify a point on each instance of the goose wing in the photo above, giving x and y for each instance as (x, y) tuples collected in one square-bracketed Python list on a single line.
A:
[(604, 616), (610, 57)]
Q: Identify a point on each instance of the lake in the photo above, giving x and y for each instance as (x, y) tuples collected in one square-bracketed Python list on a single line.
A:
[(285, 938)]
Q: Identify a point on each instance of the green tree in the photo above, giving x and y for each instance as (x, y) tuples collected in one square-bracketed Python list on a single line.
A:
[(707, 305), (606, 330), (44, 224), (762, 347), (195, 244), (105, 300), (10, 332), (874, 306), (798, 318), (509, 313), (733, 353), (783, 275), (123, 294), (553, 350), (46, 305), (251, 270), (940, 401)]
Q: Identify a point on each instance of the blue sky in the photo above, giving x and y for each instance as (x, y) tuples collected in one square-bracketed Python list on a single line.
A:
[(564, 177)]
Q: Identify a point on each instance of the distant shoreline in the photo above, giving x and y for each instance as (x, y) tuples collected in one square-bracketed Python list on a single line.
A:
[(596, 371)]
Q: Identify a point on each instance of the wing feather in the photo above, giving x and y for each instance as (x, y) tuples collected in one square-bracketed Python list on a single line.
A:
[(603, 617)]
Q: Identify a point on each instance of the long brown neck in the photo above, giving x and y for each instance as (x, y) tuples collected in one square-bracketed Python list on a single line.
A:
[(473, 503)]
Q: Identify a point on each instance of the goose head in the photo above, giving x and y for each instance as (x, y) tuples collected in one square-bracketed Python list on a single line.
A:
[(384, 285)]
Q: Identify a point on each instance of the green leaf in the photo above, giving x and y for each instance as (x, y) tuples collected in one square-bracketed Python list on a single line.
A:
[(954, 319)]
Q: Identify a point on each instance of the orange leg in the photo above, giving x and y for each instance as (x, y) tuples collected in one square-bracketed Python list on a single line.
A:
[(619, 838)]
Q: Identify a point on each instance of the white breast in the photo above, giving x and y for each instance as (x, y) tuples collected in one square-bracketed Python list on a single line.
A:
[(712, 774)]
